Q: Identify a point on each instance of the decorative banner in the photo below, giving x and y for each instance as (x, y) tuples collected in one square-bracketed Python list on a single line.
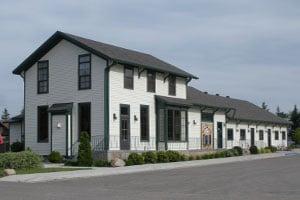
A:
[(207, 135)]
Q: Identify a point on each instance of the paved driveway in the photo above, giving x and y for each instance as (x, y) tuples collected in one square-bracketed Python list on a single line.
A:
[(275, 178)]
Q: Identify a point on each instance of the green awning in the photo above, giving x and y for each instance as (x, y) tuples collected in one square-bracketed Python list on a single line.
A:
[(61, 108)]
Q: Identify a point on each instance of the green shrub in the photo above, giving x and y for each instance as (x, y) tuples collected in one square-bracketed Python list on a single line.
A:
[(55, 157), (135, 159), (230, 153), (272, 149), (266, 150), (17, 147), (71, 163), (183, 157), (20, 160), (219, 154), (208, 156), (198, 157), (101, 163), (261, 150), (150, 157), (162, 157), (191, 157), (85, 157), (174, 156), (239, 150), (253, 150)]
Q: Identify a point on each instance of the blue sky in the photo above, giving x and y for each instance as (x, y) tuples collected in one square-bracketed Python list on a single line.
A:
[(248, 49)]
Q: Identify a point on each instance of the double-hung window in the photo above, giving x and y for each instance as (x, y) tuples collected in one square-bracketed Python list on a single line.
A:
[(43, 77), (230, 134), (276, 135), (283, 135), (261, 135), (242, 134), (151, 76), (144, 112), (128, 77), (176, 125), (84, 72)]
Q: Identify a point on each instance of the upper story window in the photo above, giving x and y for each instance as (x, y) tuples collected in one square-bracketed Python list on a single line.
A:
[(128, 77), (172, 85), (151, 78), (242, 134), (43, 77), (84, 72)]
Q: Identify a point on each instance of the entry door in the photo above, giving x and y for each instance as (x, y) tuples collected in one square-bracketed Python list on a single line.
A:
[(252, 136), (59, 134), (220, 135), (269, 138), (125, 127)]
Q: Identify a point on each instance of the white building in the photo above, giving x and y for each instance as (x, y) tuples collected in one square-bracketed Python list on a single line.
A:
[(127, 100)]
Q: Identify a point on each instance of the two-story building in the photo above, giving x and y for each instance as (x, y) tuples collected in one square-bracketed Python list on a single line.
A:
[(129, 101)]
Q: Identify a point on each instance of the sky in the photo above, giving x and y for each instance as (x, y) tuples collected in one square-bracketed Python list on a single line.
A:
[(247, 49)]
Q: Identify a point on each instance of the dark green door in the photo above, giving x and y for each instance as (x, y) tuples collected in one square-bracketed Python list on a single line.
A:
[(252, 137), (220, 135)]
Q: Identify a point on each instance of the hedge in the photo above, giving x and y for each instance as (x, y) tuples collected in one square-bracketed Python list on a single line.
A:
[(55, 157), (20, 160)]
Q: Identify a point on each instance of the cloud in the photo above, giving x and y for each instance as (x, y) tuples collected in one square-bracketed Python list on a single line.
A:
[(248, 49)]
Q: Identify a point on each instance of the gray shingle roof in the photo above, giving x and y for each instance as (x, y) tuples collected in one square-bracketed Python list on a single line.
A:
[(244, 110), (107, 51)]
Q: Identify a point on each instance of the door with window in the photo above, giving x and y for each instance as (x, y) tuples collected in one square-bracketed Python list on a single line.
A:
[(252, 136), (220, 135), (124, 127)]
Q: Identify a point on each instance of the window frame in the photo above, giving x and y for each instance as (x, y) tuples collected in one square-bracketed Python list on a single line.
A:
[(276, 135), (90, 72), (172, 79), (151, 88), (244, 131), (39, 81), (261, 133), (127, 67), (231, 138), (39, 140), (177, 127), (209, 117), (147, 134), (283, 133)]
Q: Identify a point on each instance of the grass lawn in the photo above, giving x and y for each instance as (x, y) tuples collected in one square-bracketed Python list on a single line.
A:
[(44, 170)]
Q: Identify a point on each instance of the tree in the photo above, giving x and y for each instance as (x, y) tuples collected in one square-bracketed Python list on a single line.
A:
[(85, 157), (280, 113), (297, 136), (264, 106), (295, 118), (5, 115)]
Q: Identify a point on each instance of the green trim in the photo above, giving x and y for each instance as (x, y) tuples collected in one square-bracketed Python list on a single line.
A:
[(106, 108)]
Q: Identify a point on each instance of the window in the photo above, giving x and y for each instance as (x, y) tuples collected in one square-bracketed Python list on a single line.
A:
[(43, 134), (128, 77), (151, 78), (207, 117), (172, 85), (230, 134), (84, 72), (242, 134), (276, 135), (261, 135), (283, 135), (43, 77), (176, 125), (84, 118), (144, 122)]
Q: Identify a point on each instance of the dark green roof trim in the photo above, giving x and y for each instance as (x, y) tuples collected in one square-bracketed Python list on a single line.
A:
[(108, 52), (61, 108)]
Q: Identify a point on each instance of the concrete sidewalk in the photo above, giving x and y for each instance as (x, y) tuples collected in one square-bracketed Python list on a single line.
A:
[(103, 171)]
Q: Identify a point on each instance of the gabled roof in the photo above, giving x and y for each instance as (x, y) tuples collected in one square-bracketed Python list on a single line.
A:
[(17, 118), (241, 110), (106, 51)]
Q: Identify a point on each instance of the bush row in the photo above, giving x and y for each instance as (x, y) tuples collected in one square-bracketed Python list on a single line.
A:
[(20, 160)]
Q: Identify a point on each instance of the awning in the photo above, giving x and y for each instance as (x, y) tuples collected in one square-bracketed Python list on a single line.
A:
[(61, 108), (174, 101)]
